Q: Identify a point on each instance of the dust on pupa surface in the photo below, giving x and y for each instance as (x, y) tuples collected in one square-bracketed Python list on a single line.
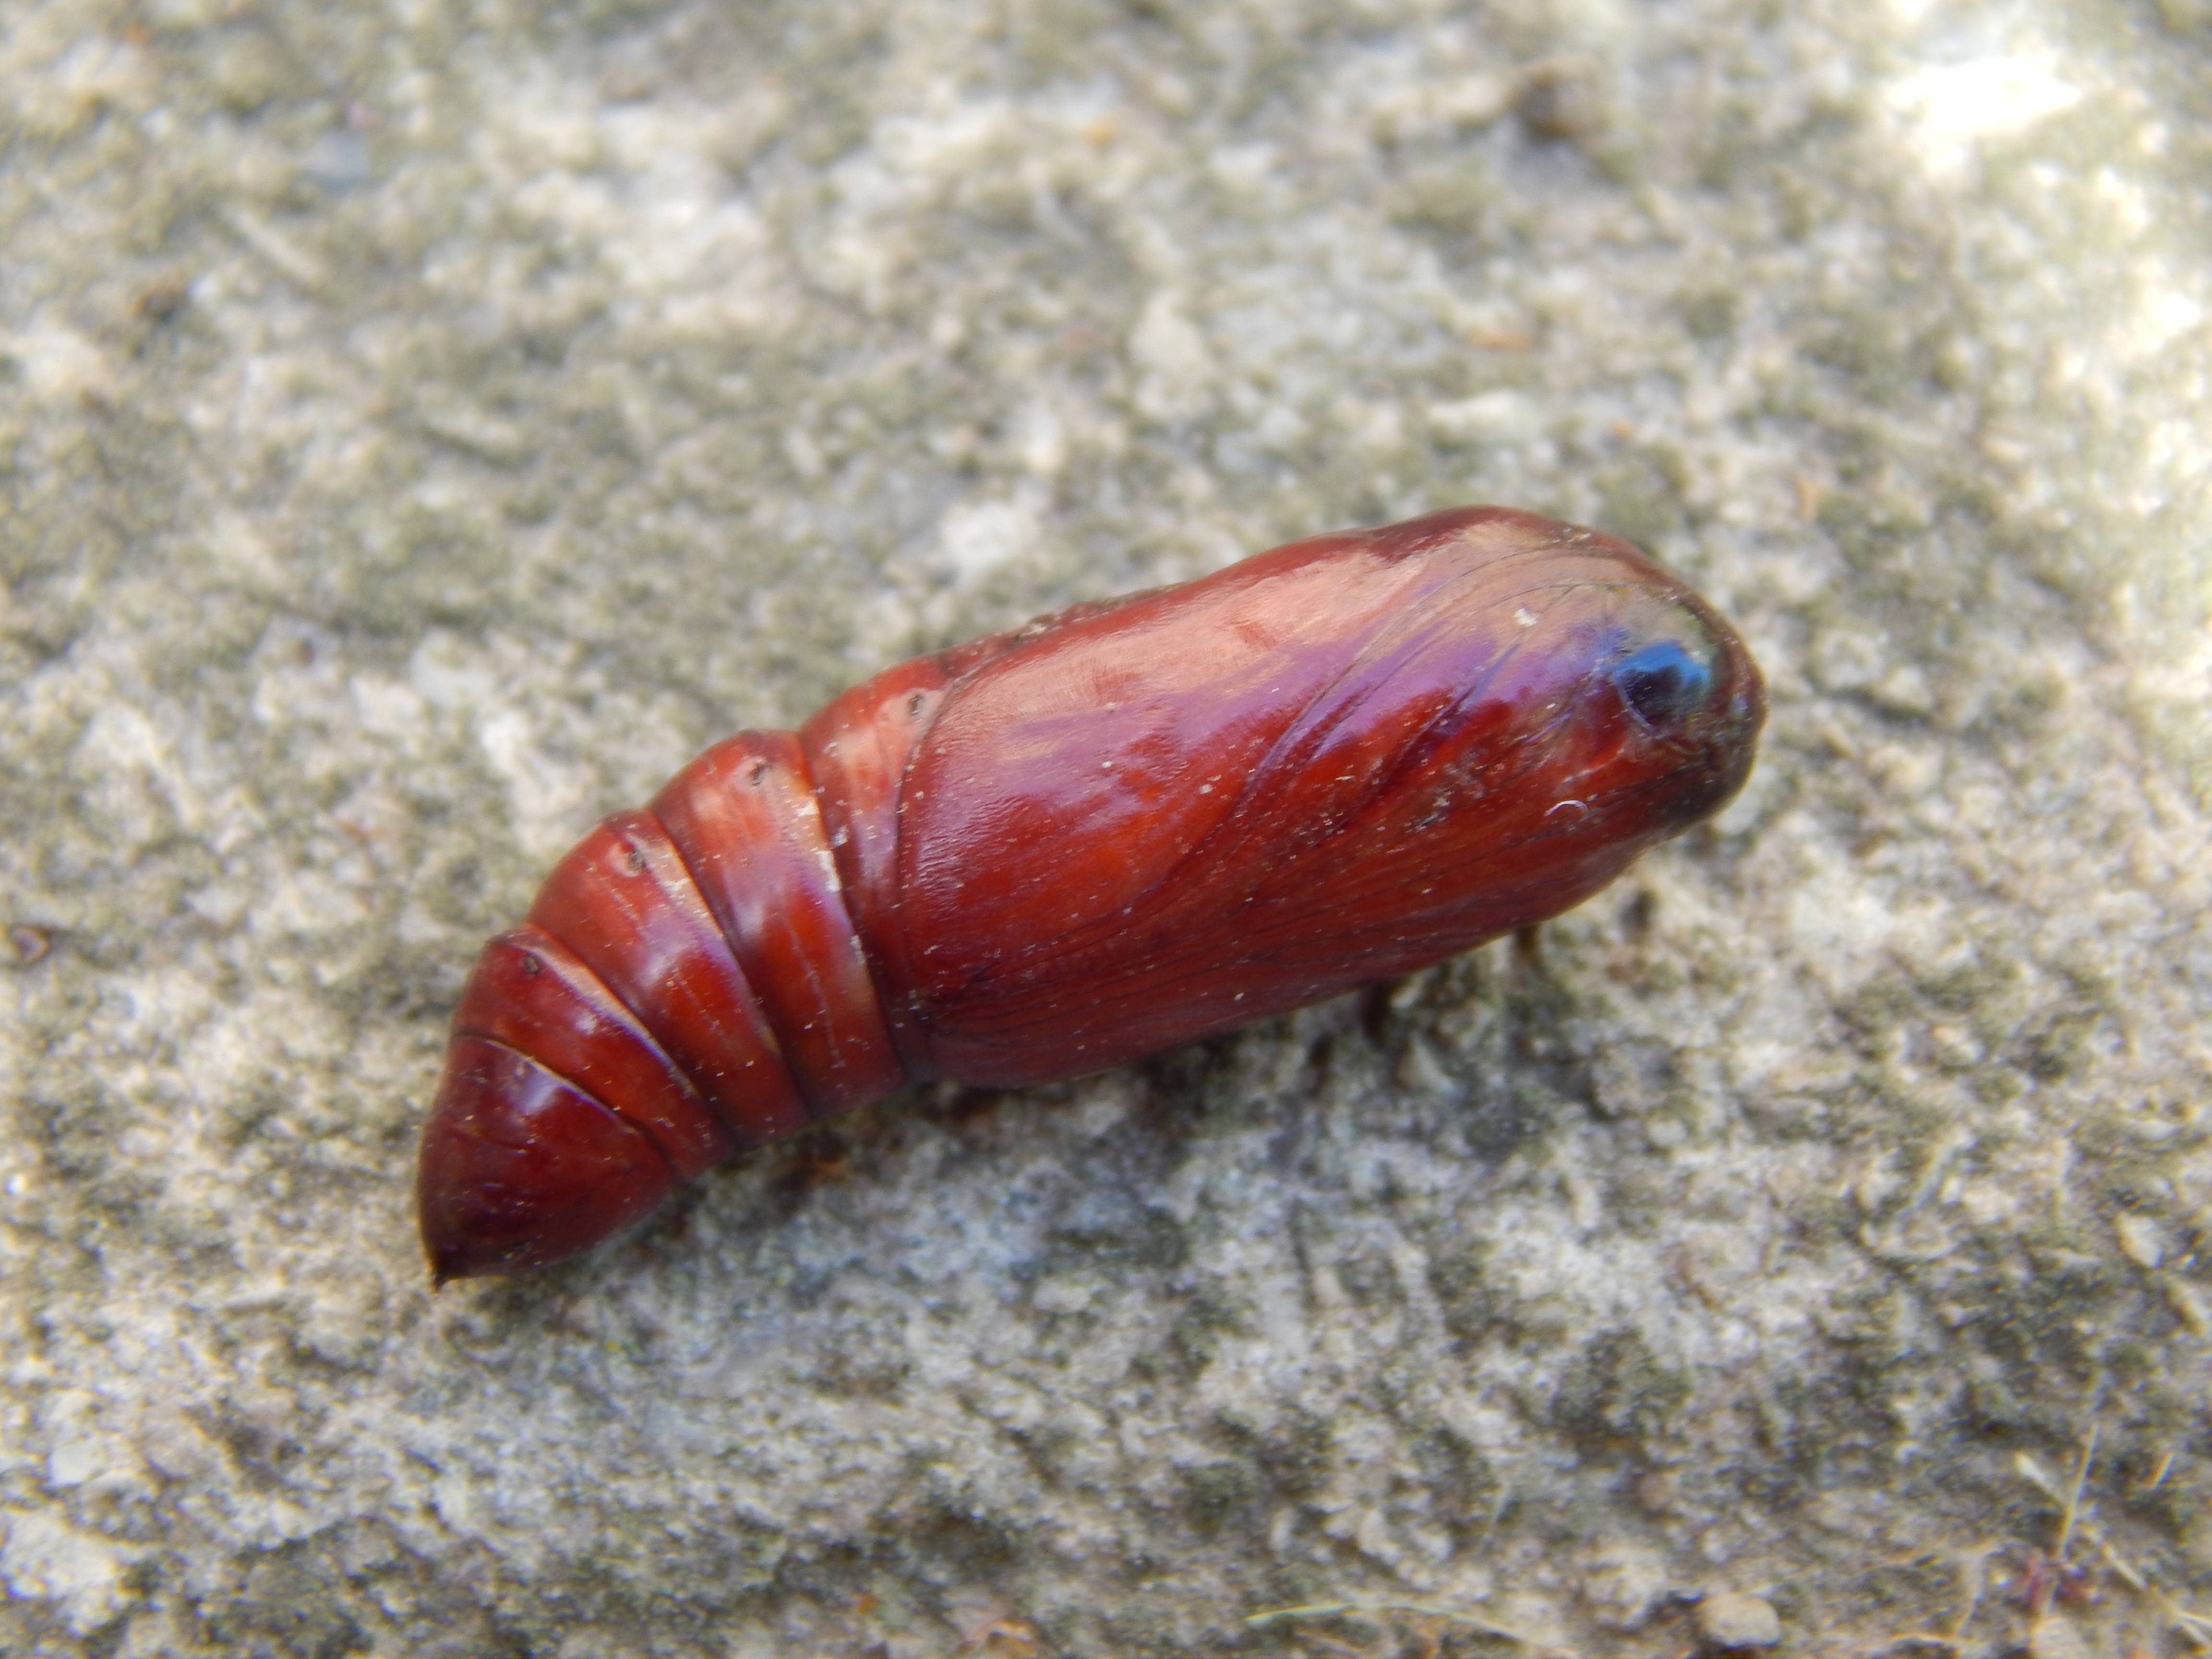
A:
[(423, 428)]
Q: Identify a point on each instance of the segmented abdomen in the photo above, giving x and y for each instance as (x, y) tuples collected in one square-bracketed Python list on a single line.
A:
[(688, 985), (1055, 849)]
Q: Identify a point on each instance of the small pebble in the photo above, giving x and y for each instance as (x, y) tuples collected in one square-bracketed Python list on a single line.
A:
[(1735, 1624), (2143, 1241)]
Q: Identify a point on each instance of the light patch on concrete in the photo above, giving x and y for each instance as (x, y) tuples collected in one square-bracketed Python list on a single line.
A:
[(45, 1558), (1948, 112)]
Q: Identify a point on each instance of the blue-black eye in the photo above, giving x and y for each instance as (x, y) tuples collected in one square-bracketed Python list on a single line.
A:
[(1662, 682)]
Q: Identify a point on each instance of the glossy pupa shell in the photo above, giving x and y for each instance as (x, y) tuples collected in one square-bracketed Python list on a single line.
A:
[(1053, 850)]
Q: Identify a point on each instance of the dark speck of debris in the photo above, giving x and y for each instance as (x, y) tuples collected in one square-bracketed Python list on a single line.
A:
[(164, 297), (30, 943), (1558, 100)]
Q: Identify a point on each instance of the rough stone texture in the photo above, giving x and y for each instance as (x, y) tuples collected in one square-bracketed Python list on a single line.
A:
[(422, 426)]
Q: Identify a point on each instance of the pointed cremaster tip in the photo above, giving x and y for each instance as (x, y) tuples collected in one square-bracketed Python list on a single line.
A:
[(522, 1170)]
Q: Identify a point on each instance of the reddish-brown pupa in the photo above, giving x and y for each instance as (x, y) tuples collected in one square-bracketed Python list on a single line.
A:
[(1054, 850)]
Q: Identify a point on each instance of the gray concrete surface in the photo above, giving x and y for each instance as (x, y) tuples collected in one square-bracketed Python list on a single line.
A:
[(422, 427)]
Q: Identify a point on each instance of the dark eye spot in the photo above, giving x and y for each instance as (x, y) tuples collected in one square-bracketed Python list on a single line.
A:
[(1662, 681)]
